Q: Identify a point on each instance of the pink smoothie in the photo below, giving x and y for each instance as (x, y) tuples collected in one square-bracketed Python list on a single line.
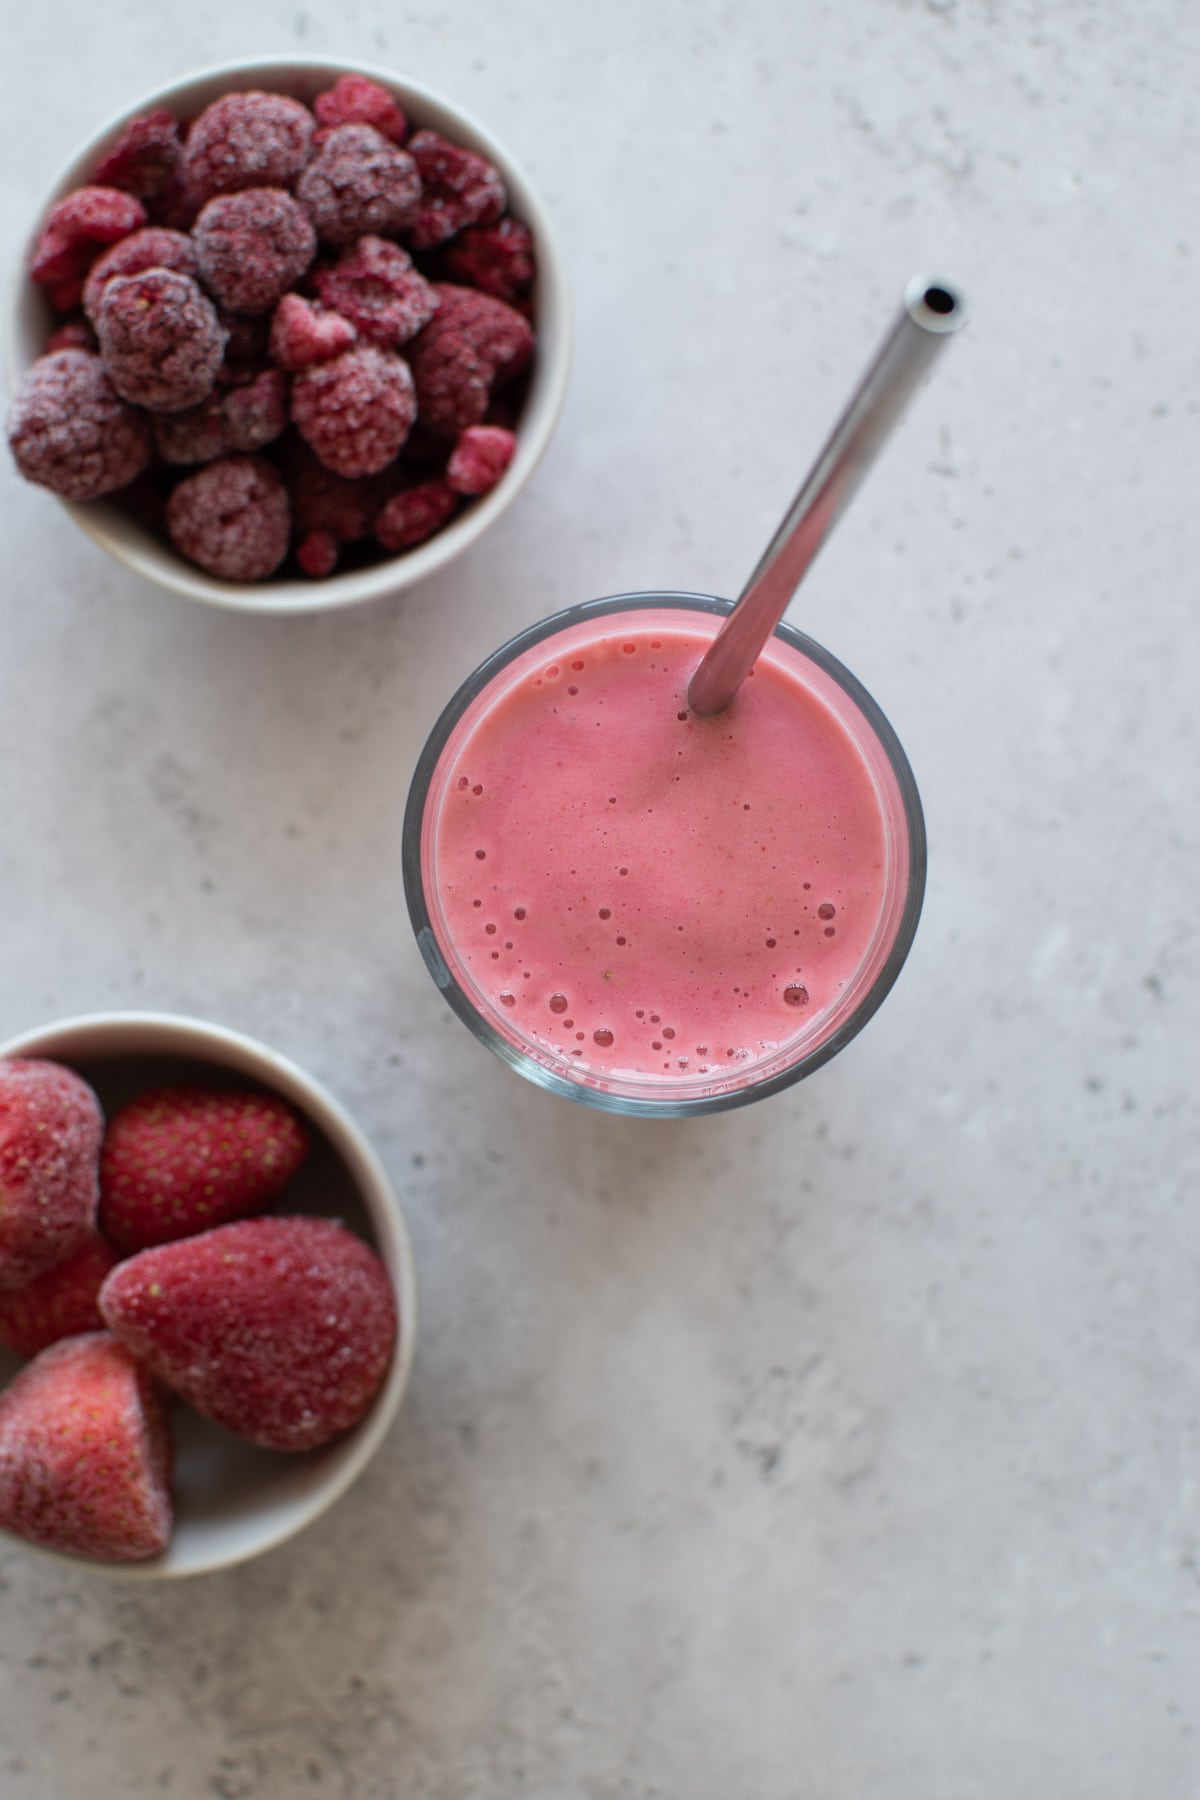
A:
[(635, 893)]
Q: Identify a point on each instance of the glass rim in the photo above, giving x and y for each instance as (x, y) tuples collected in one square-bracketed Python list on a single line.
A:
[(521, 1060)]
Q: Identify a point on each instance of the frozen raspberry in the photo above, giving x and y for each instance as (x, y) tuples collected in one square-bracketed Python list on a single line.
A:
[(317, 554), (414, 514), (374, 285), (58, 1303), (473, 342), (72, 334), (252, 246), (479, 459), (327, 503), (75, 232), (358, 182), (247, 141), (152, 247), (178, 1160), (85, 1453), (355, 411), (50, 1130), (303, 333), (257, 412), (497, 259), (198, 435), (232, 518), (160, 339), (242, 419), (458, 188), (69, 430), (280, 1329), (353, 100), (144, 157)]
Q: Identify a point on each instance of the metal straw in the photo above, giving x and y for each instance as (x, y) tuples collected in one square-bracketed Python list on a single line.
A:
[(931, 311)]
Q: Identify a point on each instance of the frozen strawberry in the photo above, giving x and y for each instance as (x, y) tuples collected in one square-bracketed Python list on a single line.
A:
[(356, 410), (160, 338), (458, 188), (317, 554), (354, 100), (414, 514), (374, 285), (144, 158), (50, 1129), (178, 1160), (303, 333), (247, 141), (153, 247), (479, 459), (58, 1303), (280, 1329), (77, 228), (358, 182), (472, 344), (231, 518), (252, 247), (497, 259), (85, 1453)]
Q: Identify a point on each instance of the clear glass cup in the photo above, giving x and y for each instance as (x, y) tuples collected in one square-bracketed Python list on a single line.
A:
[(548, 646)]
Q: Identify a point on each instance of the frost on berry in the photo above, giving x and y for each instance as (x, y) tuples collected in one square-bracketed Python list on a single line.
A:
[(374, 285), (479, 459), (414, 514), (252, 246), (356, 410), (303, 333), (247, 141), (144, 158), (354, 100), (70, 431), (458, 188), (257, 412), (160, 339), (497, 259), (473, 343), (153, 247), (232, 518), (357, 183), (75, 231)]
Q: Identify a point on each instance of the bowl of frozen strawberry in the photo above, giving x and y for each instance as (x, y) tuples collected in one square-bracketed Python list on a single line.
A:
[(291, 335), (207, 1298)]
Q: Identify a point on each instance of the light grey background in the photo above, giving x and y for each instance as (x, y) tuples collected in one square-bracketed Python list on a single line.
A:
[(848, 1445)]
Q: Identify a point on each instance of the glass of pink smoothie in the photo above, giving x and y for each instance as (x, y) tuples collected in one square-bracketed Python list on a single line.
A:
[(647, 911)]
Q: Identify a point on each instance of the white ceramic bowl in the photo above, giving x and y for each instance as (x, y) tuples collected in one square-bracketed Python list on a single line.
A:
[(232, 1500), (30, 321)]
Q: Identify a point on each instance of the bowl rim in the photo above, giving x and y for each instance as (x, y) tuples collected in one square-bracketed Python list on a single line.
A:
[(132, 546), (116, 1033)]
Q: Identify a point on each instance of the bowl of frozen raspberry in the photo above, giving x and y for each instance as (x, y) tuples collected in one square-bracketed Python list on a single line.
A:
[(207, 1296), (291, 336)]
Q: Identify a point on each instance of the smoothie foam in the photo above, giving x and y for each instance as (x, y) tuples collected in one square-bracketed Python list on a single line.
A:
[(632, 893)]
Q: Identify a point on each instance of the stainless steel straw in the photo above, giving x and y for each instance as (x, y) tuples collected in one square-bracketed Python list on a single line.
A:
[(932, 310)]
